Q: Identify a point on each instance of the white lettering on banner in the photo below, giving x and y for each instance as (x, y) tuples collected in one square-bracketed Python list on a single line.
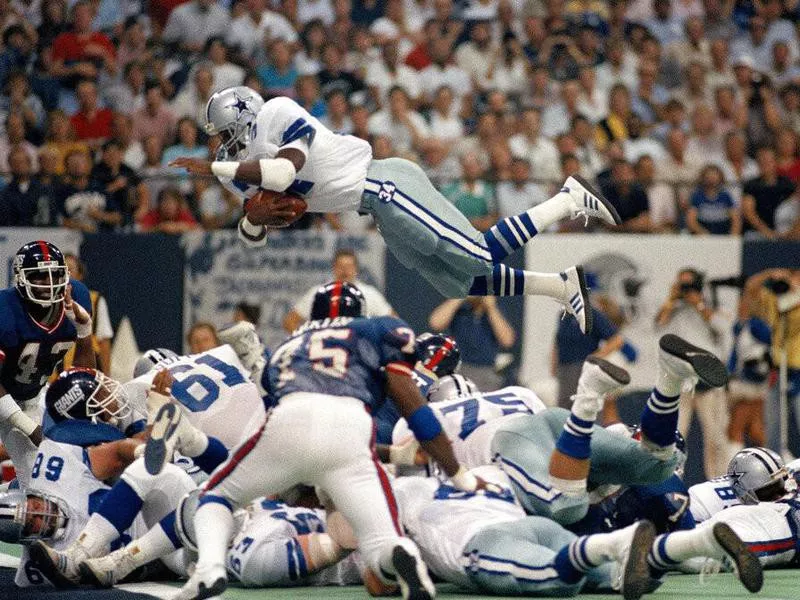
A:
[(635, 272), (13, 238), (220, 272)]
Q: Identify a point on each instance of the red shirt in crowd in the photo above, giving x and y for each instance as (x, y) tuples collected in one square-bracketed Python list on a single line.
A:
[(97, 127), (70, 47), (153, 218)]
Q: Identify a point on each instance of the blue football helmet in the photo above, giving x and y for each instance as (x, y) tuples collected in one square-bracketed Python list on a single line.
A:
[(40, 272), (439, 353), (231, 114), (86, 395), (338, 299), (28, 517)]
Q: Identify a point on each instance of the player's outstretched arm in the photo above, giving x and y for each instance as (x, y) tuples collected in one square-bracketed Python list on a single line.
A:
[(274, 174), (110, 460), (426, 428), (10, 411)]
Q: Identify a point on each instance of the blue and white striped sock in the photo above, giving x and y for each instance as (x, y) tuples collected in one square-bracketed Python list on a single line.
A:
[(660, 418), (509, 235), (659, 560), (572, 561), (504, 281), (576, 438)]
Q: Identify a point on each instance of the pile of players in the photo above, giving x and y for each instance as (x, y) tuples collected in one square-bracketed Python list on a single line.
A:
[(264, 469)]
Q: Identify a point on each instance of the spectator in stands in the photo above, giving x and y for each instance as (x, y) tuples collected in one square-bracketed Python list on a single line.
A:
[(155, 118), (762, 196), (127, 96), (519, 193), (279, 75), (557, 117), (730, 113), (540, 152), (482, 333), (337, 119), (628, 197), (15, 138), (585, 151), (694, 46), (445, 123), (476, 56), (712, 209), (133, 43), (190, 25), (333, 76), (192, 99), (82, 201), (440, 164), (121, 183), (102, 331), (17, 53), (755, 44), (186, 145), (613, 126), (171, 214), (675, 168), (665, 27), (308, 95), (406, 127), (442, 71), (226, 74), (790, 107), (787, 155), (650, 97), (686, 313), (82, 53), (704, 144), (383, 74), (472, 195), (763, 114), (661, 203), (132, 150), (202, 336), (592, 100), (218, 208), (17, 97), (26, 201), (252, 28), (638, 144), (344, 267), (91, 124), (737, 167)]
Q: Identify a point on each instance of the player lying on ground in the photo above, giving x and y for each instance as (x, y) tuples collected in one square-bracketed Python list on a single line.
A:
[(42, 317), (279, 146), (484, 542), (323, 379), (553, 456)]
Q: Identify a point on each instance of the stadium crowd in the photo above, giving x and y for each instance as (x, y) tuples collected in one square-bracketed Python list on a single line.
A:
[(686, 112)]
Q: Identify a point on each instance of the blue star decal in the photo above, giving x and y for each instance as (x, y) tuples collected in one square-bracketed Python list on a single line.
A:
[(240, 105)]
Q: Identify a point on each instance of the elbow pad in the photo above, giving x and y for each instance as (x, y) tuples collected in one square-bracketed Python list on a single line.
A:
[(277, 174)]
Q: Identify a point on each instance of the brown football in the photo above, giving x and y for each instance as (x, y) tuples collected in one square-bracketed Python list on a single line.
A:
[(259, 207)]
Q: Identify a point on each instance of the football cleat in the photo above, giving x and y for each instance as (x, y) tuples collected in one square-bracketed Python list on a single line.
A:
[(598, 376), (412, 576), (576, 298), (163, 438), (203, 584), (106, 571), (636, 580), (748, 567), (243, 338), (589, 202), (60, 568), (685, 361)]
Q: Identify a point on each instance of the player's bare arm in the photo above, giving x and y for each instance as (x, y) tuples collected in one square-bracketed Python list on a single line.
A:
[(84, 352), (10, 410), (110, 460), (270, 173)]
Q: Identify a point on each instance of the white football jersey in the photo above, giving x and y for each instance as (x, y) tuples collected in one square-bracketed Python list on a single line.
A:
[(471, 421), (711, 497), (333, 176), (216, 390), (265, 553), (442, 520)]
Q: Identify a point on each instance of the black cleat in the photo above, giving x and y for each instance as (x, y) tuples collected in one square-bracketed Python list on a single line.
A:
[(412, 576), (696, 361), (749, 568)]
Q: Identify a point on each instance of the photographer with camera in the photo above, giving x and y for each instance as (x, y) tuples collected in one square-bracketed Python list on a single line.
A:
[(773, 296), (686, 313)]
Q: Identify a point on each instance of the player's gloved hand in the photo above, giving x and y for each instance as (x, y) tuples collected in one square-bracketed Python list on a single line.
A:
[(253, 236), (408, 453), (79, 316)]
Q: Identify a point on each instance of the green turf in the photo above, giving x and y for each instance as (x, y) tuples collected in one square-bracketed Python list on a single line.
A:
[(780, 584)]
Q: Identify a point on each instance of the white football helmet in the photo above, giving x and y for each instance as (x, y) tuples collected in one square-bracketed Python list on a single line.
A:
[(231, 114), (759, 475), (451, 386), (28, 517)]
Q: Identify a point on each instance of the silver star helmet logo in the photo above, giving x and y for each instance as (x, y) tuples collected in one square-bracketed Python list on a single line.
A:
[(240, 105)]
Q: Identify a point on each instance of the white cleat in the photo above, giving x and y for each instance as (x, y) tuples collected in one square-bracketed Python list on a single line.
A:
[(576, 298), (589, 202), (164, 437), (60, 567), (106, 571), (685, 361), (244, 340), (207, 583), (632, 556), (601, 377), (412, 576)]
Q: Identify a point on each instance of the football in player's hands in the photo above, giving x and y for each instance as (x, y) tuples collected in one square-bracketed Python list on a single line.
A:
[(274, 209)]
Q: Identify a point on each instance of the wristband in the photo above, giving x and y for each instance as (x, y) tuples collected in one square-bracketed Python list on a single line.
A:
[(23, 422), (224, 169), (8, 407), (424, 424), (464, 480), (84, 329)]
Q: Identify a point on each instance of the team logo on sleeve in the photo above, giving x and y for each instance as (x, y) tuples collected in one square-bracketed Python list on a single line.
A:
[(386, 193)]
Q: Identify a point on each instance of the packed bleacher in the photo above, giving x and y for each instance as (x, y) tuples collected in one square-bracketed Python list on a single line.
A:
[(686, 113)]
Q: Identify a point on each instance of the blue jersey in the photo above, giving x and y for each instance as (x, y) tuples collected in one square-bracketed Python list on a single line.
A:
[(29, 351), (343, 357)]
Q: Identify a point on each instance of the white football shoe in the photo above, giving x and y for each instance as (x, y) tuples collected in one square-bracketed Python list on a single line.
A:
[(576, 297), (680, 359), (589, 202), (106, 571), (203, 584), (630, 549), (601, 377), (412, 576), (60, 567)]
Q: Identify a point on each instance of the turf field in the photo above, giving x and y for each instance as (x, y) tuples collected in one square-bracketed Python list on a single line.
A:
[(779, 585)]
